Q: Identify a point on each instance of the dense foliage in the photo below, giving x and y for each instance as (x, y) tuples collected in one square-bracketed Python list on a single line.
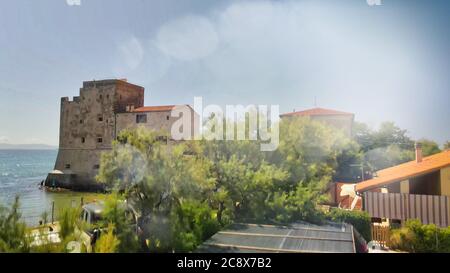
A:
[(447, 145), (359, 219), (419, 238), (186, 191), (121, 232), (388, 146), (108, 241), (12, 231)]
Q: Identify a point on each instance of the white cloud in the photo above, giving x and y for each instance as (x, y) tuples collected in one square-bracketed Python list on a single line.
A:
[(4, 139), (131, 53), (285, 53), (188, 38)]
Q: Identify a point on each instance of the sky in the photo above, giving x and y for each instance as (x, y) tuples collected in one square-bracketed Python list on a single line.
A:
[(387, 62)]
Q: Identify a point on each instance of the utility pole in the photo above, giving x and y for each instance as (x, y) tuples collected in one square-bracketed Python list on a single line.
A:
[(53, 211)]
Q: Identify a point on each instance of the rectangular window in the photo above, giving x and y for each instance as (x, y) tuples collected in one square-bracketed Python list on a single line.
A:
[(100, 118), (141, 118), (168, 117), (67, 166), (83, 140), (96, 166), (81, 121), (99, 140)]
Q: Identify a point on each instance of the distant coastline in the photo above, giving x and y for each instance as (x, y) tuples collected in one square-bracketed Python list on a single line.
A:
[(7, 146)]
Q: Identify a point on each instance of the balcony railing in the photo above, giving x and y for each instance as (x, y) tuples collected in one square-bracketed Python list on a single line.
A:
[(430, 209)]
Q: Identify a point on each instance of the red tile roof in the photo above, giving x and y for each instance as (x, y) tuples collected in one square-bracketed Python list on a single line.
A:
[(317, 112), (161, 108), (405, 171)]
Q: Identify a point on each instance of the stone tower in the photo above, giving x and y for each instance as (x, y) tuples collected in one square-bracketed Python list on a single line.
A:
[(88, 127)]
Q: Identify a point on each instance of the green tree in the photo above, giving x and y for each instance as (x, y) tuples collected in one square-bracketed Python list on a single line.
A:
[(68, 218), (155, 178), (385, 147), (312, 153), (447, 145), (429, 147), (116, 214), (185, 191), (13, 232)]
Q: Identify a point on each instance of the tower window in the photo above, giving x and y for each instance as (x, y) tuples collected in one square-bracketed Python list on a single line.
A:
[(100, 118), (141, 118), (83, 140), (101, 97), (99, 140), (81, 121), (168, 117), (67, 166), (96, 166)]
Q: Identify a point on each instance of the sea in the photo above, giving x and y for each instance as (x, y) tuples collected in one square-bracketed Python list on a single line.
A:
[(21, 171)]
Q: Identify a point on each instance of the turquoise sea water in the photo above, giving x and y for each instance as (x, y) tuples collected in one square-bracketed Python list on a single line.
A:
[(21, 171)]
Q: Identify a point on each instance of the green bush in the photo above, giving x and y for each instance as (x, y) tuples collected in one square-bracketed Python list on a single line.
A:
[(359, 219), (13, 236), (68, 220), (108, 241), (419, 238), (195, 223)]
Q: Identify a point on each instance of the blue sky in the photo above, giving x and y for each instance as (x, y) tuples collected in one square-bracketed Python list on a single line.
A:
[(387, 62)]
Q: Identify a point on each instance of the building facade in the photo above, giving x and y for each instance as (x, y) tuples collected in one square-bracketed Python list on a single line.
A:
[(418, 189), (91, 121), (336, 119)]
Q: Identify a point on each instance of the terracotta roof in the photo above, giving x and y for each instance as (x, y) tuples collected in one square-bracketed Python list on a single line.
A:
[(161, 108), (317, 112), (405, 171)]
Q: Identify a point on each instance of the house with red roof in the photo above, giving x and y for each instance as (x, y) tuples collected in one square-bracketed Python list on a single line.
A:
[(419, 189)]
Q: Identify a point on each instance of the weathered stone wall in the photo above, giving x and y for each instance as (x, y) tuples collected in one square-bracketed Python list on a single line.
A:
[(158, 121), (88, 126)]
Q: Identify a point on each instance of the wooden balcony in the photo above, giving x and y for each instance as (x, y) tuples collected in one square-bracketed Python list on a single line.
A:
[(430, 209)]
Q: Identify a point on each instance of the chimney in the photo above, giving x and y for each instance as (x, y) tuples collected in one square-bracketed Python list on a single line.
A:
[(419, 155)]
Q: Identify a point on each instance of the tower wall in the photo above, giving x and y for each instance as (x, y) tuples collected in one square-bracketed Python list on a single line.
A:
[(87, 128)]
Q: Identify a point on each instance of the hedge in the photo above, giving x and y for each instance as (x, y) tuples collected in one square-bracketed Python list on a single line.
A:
[(359, 219), (419, 238)]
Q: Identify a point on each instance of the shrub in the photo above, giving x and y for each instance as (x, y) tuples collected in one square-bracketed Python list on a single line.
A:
[(195, 223), (359, 219), (419, 238), (115, 213), (68, 221), (108, 242), (12, 230)]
